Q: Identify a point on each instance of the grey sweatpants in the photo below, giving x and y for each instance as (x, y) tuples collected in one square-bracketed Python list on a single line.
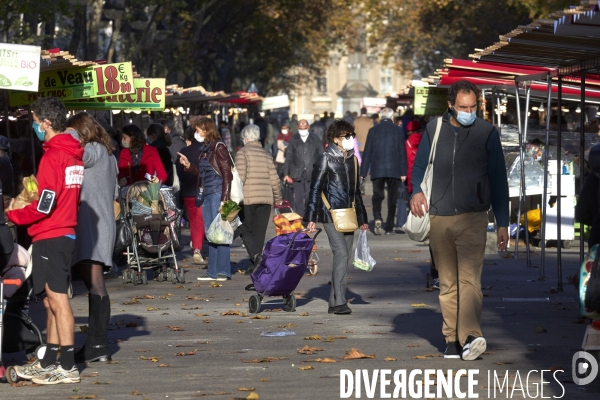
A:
[(341, 246)]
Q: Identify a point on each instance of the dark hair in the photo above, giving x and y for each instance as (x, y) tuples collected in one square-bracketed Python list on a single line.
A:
[(339, 128), (189, 133), (157, 131), (167, 123), (363, 110), (136, 134), (208, 126), (53, 110), (90, 130), (461, 86)]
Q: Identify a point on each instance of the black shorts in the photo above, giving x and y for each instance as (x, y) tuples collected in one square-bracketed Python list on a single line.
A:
[(52, 264)]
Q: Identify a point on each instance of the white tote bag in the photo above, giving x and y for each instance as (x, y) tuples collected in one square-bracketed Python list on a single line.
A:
[(417, 228), (237, 186)]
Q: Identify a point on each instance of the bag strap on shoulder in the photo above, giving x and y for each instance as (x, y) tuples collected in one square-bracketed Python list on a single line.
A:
[(435, 139), (327, 205)]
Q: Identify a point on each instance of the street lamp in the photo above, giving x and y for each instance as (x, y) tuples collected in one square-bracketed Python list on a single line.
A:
[(113, 9)]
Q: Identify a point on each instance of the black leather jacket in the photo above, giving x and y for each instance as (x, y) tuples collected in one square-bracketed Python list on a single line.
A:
[(334, 176), (300, 156)]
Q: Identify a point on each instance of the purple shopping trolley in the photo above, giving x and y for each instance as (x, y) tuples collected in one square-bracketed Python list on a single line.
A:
[(283, 264)]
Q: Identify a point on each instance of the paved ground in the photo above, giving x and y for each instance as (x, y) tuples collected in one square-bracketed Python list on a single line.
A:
[(225, 353)]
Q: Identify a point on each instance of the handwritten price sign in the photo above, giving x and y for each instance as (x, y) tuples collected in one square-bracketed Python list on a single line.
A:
[(80, 83)]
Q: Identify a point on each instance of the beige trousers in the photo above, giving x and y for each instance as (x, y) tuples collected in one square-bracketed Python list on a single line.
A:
[(458, 246)]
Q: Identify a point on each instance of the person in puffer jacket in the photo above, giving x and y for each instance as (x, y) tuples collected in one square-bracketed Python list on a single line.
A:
[(335, 175)]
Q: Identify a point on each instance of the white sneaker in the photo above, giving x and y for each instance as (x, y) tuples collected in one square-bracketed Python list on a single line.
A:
[(473, 348), (59, 375), (198, 259), (34, 370)]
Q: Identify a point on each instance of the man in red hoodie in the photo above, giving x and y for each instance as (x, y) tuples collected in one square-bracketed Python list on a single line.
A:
[(52, 220)]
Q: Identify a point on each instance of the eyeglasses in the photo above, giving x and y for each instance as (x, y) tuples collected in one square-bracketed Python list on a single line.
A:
[(350, 136)]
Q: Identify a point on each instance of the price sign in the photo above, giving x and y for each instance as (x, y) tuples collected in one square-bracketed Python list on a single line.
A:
[(19, 67), (80, 83), (430, 101)]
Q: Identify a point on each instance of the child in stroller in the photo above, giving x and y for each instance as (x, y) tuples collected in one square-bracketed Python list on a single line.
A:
[(20, 333)]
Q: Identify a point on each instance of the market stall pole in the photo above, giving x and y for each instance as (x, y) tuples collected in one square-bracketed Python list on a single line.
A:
[(558, 187), (545, 188), (581, 162)]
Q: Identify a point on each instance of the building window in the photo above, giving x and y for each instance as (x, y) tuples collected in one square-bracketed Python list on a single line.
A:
[(322, 83), (385, 80)]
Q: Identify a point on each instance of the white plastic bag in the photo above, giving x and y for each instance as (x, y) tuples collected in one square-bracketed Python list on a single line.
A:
[(220, 231), (362, 255)]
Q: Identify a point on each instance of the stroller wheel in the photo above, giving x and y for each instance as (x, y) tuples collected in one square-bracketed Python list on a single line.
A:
[(11, 375), (313, 268), (181, 276), (254, 304), (125, 276), (289, 302), (134, 278), (171, 276), (144, 278)]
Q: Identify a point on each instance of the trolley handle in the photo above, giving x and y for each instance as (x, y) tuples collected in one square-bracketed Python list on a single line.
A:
[(284, 204), (16, 282), (305, 231)]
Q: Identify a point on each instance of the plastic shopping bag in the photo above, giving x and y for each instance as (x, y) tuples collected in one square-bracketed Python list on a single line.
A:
[(220, 231), (362, 255)]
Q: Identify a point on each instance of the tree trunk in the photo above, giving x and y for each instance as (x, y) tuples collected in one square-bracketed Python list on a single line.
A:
[(116, 30), (79, 27), (94, 30), (49, 27)]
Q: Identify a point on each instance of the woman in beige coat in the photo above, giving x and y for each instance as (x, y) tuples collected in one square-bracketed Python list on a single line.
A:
[(261, 190)]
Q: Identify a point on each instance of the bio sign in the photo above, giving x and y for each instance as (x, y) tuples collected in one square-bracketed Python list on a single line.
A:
[(149, 94), (80, 83), (19, 67), (430, 101)]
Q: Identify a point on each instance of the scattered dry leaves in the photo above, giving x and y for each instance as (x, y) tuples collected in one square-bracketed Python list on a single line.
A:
[(390, 359), (244, 389), (414, 344), (189, 353), (418, 305), (137, 393), (354, 354), (153, 359), (231, 312), (306, 368), (215, 284), (313, 337), (309, 350), (258, 316), (304, 314)]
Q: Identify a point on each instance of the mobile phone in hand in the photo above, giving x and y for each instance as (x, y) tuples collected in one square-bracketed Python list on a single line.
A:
[(148, 176)]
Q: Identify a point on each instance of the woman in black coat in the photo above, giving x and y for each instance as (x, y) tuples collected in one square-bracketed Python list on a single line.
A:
[(159, 139), (335, 175)]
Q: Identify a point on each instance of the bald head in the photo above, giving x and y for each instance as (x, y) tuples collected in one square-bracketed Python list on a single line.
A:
[(303, 124)]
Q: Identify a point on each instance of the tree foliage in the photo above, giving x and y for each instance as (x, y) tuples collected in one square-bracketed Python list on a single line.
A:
[(417, 35)]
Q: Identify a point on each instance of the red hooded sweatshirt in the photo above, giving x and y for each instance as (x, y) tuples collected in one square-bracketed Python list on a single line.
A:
[(61, 171)]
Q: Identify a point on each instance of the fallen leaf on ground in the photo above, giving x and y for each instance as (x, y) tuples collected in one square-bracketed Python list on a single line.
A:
[(390, 359), (137, 393), (175, 328), (290, 325), (346, 331), (354, 354), (179, 287), (258, 316), (264, 360), (304, 314), (152, 308), (274, 310), (397, 259), (414, 345), (323, 360), (201, 315), (231, 312), (153, 359), (313, 337), (84, 396), (190, 353), (426, 356), (305, 368), (164, 365), (309, 350), (149, 297), (419, 305), (264, 380), (243, 389), (215, 284), (237, 304)]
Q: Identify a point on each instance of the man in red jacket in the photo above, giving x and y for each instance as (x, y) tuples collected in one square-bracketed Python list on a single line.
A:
[(52, 220)]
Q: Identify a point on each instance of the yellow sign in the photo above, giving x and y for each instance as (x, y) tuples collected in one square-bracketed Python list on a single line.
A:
[(80, 83), (149, 95), (430, 101)]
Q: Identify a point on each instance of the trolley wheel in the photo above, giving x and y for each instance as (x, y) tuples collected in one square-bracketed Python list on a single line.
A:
[(313, 269), (70, 290), (144, 278), (169, 275), (135, 278), (40, 351), (181, 276), (125, 276), (11, 375), (254, 304), (566, 244), (289, 302)]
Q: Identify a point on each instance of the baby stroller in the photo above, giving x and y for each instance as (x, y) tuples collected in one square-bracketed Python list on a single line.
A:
[(287, 221), (20, 334), (154, 238), (284, 261)]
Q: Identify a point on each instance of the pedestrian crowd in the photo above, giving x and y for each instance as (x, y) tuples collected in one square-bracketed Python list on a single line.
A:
[(319, 170)]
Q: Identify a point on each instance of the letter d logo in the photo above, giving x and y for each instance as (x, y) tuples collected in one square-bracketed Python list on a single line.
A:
[(582, 363)]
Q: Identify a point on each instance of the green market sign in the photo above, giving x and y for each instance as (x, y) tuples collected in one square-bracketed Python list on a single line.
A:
[(430, 101), (149, 95), (19, 67), (80, 83)]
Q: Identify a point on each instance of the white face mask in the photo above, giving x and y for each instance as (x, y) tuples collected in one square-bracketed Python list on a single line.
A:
[(199, 137), (303, 132), (348, 144), (284, 131)]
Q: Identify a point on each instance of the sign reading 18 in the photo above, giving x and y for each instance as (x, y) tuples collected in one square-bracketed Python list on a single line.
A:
[(111, 85)]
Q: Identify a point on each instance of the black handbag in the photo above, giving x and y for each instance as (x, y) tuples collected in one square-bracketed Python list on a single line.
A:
[(199, 200), (124, 236)]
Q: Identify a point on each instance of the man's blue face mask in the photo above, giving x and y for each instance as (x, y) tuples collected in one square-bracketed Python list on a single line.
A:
[(465, 118), (38, 131)]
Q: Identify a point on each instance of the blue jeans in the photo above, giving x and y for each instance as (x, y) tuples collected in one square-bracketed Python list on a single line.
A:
[(219, 262)]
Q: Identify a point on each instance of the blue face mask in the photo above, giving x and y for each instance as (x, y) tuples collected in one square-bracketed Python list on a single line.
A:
[(465, 118), (38, 132)]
